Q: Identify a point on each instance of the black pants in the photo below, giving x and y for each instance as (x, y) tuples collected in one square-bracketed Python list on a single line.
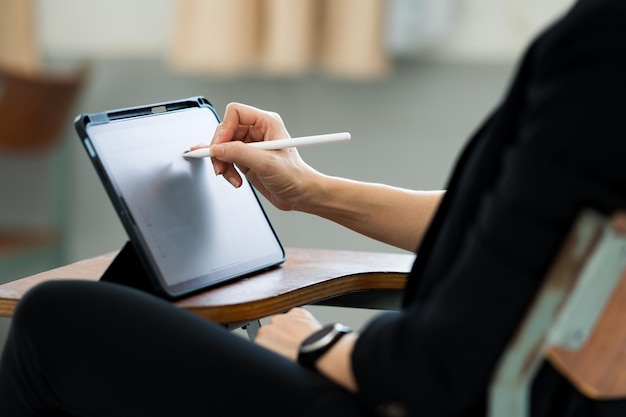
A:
[(101, 349), (98, 349)]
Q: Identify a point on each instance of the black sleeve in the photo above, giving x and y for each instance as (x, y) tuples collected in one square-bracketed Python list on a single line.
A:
[(569, 152)]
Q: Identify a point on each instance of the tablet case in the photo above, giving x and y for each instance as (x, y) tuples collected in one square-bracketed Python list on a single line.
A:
[(127, 268)]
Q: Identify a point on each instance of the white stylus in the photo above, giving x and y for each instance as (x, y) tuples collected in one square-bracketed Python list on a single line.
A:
[(280, 143)]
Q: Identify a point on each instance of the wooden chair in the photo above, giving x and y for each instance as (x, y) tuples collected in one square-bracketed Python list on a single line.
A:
[(575, 322), (35, 109)]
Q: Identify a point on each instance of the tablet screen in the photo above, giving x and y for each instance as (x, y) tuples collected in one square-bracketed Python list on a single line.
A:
[(196, 229)]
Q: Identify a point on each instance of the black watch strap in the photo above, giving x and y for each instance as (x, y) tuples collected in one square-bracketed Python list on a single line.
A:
[(316, 345)]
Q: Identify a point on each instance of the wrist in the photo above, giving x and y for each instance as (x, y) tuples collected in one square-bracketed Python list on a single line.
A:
[(336, 364), (320, 342), (316, 190)]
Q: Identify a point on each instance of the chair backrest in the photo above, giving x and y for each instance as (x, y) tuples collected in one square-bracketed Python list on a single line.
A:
[(603, 379), (35, 107), (583, 288)]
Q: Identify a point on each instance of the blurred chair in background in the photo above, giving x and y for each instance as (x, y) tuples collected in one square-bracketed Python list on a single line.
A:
[(35, 110)]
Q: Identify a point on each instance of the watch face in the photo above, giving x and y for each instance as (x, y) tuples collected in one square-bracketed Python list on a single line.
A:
[(320, 342), (316, 337), (323, 337)]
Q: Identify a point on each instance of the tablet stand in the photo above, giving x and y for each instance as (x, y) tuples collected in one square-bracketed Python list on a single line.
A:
[(127, 269)]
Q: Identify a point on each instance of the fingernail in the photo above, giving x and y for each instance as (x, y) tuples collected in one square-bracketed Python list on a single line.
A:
[(232, 179), (217, 168)]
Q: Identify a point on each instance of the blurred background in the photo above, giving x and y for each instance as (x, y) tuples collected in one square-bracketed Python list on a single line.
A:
[(410, 79)]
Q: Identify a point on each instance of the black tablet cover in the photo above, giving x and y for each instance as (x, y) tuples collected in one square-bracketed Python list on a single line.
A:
[(189, 228)]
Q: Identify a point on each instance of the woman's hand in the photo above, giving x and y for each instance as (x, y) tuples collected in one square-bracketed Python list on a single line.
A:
[(392, 215), (281, 176), (285, 332)]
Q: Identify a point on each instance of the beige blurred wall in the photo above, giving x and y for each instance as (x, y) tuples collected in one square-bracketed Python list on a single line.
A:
[(482, 30)]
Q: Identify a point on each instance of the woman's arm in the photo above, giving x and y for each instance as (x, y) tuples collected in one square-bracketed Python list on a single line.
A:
[(388, 214), (392, 215), (336, 364)]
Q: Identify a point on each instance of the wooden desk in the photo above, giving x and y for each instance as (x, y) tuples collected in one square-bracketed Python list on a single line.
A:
[(306, 277)]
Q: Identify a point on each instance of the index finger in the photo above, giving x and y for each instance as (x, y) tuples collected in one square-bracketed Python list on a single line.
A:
[(248, 124), (232, 128)]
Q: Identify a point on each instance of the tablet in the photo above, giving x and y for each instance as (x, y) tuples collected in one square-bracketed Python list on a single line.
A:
[(189, 228)]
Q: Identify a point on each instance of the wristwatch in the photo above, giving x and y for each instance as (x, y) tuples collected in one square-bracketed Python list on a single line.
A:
[(314, 346)]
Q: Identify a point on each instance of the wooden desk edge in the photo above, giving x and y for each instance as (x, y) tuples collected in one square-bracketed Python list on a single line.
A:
[(265, 307), (7, 307), (335, 284), (342, 285)]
